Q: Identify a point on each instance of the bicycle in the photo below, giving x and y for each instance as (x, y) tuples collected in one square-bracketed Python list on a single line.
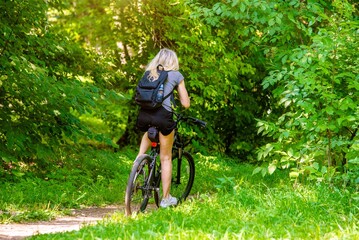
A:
[(145, 177)]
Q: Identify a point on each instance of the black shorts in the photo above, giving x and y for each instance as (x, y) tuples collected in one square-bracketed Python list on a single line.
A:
[(160, 118)]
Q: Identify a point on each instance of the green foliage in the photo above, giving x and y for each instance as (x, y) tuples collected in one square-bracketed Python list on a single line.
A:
[(91, 178), (276, 78), (221, 76), (136, 31), (46, 83), (315, 123)]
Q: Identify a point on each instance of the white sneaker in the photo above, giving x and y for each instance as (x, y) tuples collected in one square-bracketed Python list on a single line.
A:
[(167, 202)]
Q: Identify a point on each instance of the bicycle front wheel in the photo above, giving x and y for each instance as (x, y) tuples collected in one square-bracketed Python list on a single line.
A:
[(138, 189), (183, 172)]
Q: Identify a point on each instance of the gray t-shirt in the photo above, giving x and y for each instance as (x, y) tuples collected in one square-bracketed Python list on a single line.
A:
[(174, 78)]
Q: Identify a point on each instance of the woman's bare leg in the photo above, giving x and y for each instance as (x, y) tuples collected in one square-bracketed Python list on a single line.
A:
[(145, 144), (166, 143)]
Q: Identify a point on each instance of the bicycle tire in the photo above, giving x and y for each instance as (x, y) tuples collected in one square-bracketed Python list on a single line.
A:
[(137, 191), (183, 172)]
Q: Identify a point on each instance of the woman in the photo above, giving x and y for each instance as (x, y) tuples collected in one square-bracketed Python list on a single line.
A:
[(162, 117)]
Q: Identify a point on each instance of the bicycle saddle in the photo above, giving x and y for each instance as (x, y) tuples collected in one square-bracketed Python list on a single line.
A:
[(152, 134)]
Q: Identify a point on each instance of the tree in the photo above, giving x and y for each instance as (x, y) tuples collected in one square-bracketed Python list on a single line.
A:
[(205, 48), (46, 82), (314, 126)]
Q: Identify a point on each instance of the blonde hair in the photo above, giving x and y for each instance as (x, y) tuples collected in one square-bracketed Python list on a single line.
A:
[(165, 57)]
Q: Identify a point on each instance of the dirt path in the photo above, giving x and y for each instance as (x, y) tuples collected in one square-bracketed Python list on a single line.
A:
[(79, 218)]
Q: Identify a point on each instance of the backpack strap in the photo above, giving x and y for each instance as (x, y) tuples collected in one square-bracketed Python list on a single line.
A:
[(167, 96), (161, 68)]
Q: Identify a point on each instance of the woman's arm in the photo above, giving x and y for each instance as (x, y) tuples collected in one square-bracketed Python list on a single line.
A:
[(183, 95)]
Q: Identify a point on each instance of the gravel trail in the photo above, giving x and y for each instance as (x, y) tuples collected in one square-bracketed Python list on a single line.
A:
[(78, 219)]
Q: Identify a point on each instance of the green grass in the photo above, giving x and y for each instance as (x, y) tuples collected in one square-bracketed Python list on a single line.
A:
[(91, 178), (227, 203)]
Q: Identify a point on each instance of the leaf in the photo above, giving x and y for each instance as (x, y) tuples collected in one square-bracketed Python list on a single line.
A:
[(284, 59), (293, 174), (271, 22), (310, 169), (17, 173), (287, 103), (234, 3), (354, 161), (260, 129), (242, 7), (329, 110), (257, 170), (260, 155), (316, 166), (7, 157), (217, 8), (268, 148), (290, 152), (271, 168)]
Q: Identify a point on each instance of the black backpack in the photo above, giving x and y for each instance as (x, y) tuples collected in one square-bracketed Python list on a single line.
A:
[(147, 91)]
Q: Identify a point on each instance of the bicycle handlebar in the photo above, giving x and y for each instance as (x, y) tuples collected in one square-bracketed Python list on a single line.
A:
[(198, 122), (191, 120)]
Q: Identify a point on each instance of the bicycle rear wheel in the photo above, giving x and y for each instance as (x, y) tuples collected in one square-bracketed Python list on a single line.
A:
[(138, 190), (183, 172)]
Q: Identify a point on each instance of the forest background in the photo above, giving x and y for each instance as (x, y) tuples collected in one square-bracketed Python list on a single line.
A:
[(277, 81)]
